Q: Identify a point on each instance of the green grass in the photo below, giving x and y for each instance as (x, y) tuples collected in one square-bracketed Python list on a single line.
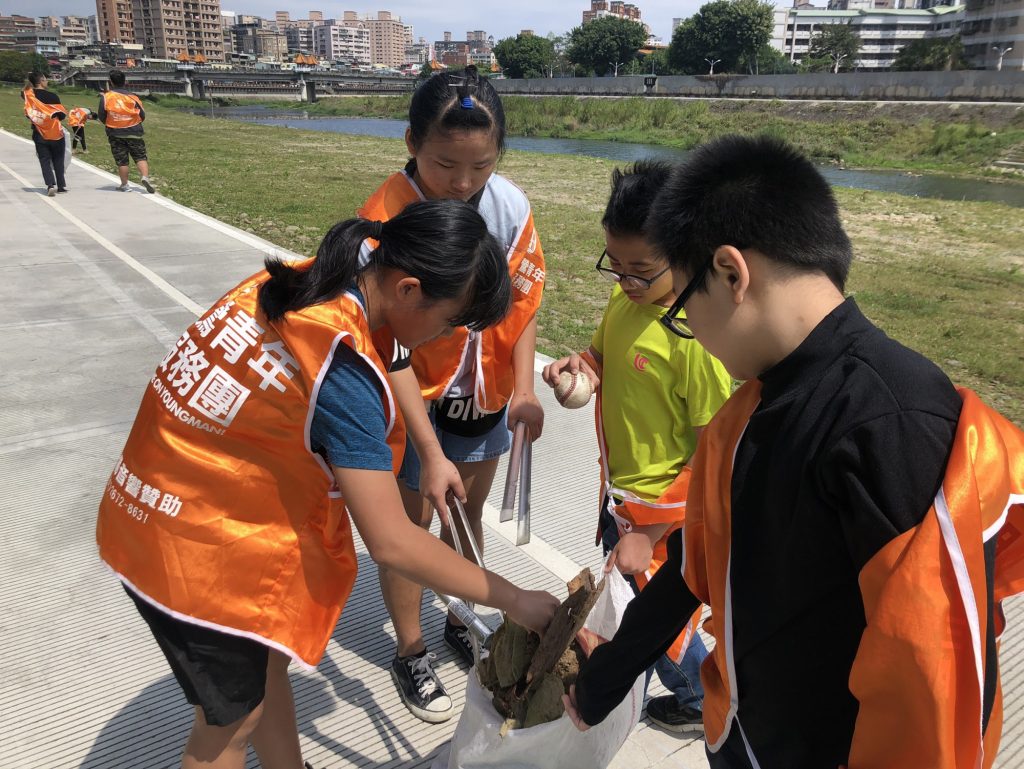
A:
[(946, 278)]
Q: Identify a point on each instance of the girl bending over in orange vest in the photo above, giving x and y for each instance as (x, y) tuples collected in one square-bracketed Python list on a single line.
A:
[(475, 384), (269, 424)]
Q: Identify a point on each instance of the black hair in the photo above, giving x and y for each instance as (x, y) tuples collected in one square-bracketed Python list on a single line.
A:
[(116, 77), (451, 101), (34, 78), (443, 243), (633, 192), (751, 192)]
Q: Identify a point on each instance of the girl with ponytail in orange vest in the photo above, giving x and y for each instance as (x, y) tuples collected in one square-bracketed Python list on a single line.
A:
[(270, 425), (44, 111), (475, 384), (853, 520)]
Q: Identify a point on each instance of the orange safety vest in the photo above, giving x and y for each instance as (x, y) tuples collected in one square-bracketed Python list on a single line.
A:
[(219, 512), (438, 363), (919, 670), (123, 110), (42, 116), (77, 116), (633, 511)]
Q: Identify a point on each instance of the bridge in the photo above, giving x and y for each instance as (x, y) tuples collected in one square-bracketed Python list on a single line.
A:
[(299, 84)]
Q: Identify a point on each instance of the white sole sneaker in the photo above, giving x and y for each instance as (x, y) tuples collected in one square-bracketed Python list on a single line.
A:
[(149, 187), (430, 716)]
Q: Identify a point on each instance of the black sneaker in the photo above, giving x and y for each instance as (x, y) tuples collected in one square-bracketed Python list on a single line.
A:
[(148, 185), (420, 688), (461, 641), (667, 713)]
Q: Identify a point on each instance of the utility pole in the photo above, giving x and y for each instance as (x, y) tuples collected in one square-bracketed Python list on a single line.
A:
[(712, 62), (1002, 52)]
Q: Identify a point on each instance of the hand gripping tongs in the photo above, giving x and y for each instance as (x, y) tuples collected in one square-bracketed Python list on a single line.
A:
[(520, 464), (478, 630)]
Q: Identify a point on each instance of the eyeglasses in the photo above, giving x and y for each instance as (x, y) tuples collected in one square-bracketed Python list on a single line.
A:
[(633, 281), (680, 326)]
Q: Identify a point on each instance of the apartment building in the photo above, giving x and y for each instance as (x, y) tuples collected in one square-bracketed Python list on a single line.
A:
[(341, 42), (883, 31), (993, 34), (116, 21), (599, 8), (389, 37), (168, 28)]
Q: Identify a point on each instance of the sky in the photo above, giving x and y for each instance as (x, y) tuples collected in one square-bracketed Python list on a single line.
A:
[(429, 19)]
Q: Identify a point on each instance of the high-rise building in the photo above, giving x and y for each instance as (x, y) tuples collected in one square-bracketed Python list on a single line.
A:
[(599, 8), (116, 21), (341, 42), (389, 37), (169, 28), (993, 34)]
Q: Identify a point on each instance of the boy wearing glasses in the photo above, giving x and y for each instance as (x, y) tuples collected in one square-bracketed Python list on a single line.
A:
[(854, 520), (657, 391)]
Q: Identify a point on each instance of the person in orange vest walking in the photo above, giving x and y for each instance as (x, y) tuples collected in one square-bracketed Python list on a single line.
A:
[(476, 385), (655, 393), (44, 111), (268, 429), (122, 113), (853, 519), (77, 118)]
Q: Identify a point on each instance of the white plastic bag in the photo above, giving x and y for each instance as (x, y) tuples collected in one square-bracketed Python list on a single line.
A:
[(555, 745), (67, 148)]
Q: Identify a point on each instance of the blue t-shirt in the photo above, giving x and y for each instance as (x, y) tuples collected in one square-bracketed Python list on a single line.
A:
[(348, 421)]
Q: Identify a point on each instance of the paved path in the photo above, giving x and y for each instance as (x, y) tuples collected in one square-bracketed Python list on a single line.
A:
[(97, 285)]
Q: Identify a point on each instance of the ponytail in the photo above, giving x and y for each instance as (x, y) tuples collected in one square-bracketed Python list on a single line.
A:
[(32, 79), (442, 243), (450, 101)]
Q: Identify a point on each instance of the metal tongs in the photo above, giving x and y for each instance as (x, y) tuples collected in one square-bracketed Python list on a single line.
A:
[(520, 462), (478, 629)]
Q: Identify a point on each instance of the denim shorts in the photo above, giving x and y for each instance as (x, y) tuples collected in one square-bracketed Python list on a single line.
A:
[(457, 448)]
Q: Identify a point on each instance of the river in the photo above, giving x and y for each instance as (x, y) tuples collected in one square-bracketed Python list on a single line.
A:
[(917, 185)]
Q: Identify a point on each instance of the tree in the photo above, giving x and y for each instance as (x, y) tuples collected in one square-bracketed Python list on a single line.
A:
[(426, 71), (937, 54), (835, 43), (15, 65), (605, 44), (729, 32), (767, 60), (525, 56)]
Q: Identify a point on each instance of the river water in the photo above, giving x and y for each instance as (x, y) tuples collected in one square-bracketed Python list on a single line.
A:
[(917, 185)]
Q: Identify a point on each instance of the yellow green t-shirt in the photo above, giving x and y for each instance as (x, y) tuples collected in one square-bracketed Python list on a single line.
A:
[(656, 387)]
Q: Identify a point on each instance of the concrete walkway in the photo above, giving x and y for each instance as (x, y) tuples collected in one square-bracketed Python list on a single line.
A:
[(97, 286)]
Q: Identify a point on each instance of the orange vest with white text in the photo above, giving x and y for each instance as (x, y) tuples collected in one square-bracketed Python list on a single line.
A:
[(438, 363), (218, 511), (77, 116), (42, 116), (123, 110), (920, 668)]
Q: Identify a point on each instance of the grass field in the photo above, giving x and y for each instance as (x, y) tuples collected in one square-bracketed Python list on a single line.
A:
[(946, 278)]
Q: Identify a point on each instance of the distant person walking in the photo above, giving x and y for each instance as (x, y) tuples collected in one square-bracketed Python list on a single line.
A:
[(122, 113), (76, 120), (44, 111)]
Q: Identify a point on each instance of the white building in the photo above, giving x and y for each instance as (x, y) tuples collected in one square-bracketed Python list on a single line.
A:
[(883, 32), (993, 30), (337, 42)]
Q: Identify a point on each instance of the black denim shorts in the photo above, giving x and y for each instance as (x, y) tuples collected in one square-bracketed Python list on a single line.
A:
[(224, 674)]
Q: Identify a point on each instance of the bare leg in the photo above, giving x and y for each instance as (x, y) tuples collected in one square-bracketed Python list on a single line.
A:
[(276, 737), (219, 747), (143, 167), (122, 171), (401, 596), (478, 478)]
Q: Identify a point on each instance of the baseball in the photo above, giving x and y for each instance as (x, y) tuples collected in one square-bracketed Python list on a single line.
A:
[(573, 390)]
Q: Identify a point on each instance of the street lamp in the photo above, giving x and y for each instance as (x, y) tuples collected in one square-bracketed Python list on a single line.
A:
[(616, 65), (1002, 52), (712, 63), (838, 57)]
